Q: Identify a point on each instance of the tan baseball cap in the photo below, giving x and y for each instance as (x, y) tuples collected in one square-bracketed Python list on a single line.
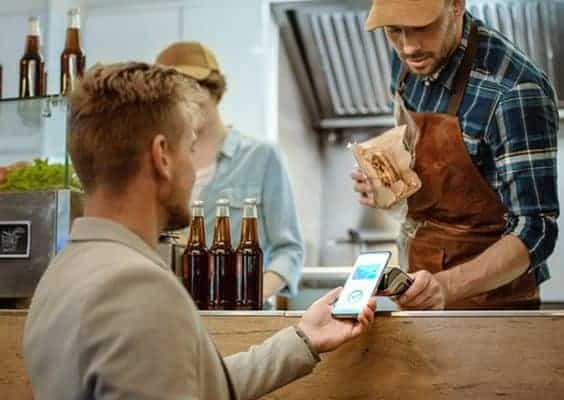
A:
[(190, 58), (403, 13)]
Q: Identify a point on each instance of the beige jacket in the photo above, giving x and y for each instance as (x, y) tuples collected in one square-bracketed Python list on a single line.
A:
[(110, 321)]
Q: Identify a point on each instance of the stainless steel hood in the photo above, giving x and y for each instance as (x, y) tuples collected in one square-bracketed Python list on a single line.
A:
[(344, 72)]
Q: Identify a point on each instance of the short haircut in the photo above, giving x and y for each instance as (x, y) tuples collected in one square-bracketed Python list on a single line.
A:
[(116, 111)]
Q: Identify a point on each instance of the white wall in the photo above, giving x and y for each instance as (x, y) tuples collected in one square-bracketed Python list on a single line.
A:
[(240, 32), (304, 159)]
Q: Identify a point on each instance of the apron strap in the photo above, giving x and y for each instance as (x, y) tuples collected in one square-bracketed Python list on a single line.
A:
[(463, 75), (402, 79)]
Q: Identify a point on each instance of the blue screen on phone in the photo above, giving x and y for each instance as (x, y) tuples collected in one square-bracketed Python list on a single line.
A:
[(361, 283)]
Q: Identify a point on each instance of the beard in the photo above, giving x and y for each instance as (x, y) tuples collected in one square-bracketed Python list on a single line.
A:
[(437, 62), (178, 217), (437, 59), (178, 214)]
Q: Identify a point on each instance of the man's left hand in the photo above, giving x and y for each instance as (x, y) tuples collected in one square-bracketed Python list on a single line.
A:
[(425, 293)]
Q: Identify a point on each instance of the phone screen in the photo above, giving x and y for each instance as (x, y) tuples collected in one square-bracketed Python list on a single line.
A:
[(365, 277)]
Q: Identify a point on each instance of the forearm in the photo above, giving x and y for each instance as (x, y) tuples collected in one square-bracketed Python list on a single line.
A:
[(501, 263), (272, 284), (278, 361)]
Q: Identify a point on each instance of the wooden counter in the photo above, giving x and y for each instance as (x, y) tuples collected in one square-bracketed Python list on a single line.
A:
[(415, 355)]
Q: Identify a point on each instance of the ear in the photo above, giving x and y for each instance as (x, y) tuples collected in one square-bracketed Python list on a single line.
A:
[(161, 157)]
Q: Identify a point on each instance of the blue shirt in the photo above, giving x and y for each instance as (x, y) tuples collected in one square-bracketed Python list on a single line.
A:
[(247, 167), (509, 119)]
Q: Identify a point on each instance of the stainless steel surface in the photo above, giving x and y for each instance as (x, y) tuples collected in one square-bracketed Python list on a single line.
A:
[(342, 213), (171, 253), (379, 121), (349, 69), (286, 22), (50, 214)]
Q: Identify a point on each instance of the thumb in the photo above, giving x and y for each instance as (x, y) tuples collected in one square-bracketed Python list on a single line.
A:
[(330, 297)]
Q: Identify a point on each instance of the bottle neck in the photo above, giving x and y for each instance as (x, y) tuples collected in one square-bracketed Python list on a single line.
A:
[(32, 45), (197, 232), (249, 231), (222, 231), (72, 41), (250, 211), (222, 211), (74, 20), (33, 29)]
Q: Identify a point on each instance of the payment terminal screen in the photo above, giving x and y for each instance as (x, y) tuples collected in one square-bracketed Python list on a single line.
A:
[(361, 283)]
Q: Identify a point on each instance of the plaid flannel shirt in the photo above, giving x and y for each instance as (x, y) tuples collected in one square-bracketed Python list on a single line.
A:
[(509, 119)]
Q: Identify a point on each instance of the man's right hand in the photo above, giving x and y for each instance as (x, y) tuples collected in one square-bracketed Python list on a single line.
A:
[(327, 333), (363, 187)]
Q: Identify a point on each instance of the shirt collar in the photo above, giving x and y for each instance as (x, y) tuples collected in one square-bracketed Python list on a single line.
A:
[(230, 143), (105, 230), (445, 75)]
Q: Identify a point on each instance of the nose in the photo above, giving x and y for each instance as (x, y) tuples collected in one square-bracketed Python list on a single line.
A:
[(410, 42)]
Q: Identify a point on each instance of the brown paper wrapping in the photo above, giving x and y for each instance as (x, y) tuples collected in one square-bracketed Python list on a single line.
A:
[(396, 180)]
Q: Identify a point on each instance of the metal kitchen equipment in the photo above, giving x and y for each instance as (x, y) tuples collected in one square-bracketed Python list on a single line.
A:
[(34, 226)]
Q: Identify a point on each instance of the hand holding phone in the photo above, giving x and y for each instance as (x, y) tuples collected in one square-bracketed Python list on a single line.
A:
[(361, 284)]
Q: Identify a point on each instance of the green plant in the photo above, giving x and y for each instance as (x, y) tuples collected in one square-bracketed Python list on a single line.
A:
[(39, 176)]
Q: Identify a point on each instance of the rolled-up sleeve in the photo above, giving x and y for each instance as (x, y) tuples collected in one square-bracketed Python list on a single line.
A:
[(524, 140), (286, 252)]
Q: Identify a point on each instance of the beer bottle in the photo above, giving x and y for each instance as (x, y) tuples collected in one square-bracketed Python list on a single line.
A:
[(32, 65), (250, 259), (195, 275), (222, 261), (73, 60)]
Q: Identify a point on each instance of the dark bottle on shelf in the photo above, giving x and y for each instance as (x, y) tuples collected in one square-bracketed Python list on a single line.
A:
[(73, 59), (33, 78)]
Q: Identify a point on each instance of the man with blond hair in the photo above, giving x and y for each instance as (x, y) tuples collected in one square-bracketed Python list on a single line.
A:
[(109, 320)]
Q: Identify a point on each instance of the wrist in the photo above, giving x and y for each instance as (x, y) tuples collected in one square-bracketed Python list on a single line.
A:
[(444, 278), (313, 348)]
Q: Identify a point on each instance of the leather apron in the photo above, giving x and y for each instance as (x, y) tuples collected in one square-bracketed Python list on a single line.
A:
[(455, 215)]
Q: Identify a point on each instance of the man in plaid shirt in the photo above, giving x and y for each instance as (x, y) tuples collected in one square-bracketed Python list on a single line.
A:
[(508, 121)]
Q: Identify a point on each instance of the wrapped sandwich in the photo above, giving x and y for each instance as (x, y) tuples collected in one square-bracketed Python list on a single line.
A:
[(386, 161)]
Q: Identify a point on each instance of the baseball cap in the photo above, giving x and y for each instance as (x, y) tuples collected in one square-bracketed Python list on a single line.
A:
[(403, 13), (190, 58)]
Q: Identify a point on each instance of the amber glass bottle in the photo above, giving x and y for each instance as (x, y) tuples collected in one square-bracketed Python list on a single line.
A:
[(195, 265), (73, 59), (33, 80), (250, 260)]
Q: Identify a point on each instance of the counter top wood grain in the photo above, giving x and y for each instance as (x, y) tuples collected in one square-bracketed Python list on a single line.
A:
[(415, 355)]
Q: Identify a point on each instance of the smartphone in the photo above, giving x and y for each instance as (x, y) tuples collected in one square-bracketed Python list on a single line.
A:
[(361, 284)]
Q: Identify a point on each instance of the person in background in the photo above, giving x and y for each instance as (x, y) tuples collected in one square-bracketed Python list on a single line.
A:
[(109, 320), (234, 166), (480, 229)]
